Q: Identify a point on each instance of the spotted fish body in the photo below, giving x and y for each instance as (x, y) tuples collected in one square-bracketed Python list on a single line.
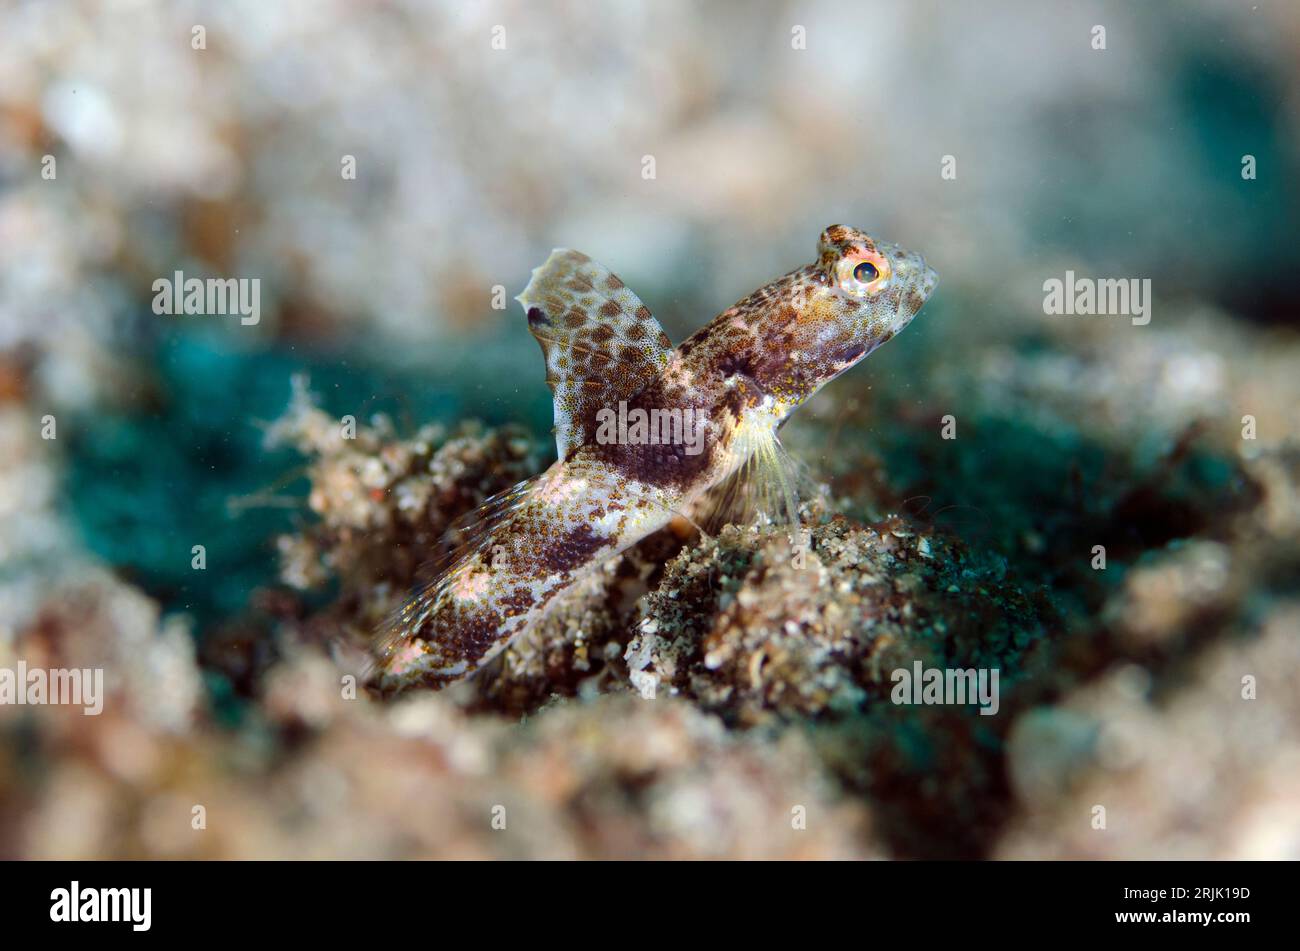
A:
[(741, 376)]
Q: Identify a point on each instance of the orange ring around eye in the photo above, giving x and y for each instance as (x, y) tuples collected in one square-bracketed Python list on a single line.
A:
[(849, 280)]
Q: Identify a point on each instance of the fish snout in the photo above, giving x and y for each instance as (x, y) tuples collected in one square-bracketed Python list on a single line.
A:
[(915, 281), (927, 279), (911, 271)]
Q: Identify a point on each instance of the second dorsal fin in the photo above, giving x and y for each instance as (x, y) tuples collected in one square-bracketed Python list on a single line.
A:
[(601, 344)]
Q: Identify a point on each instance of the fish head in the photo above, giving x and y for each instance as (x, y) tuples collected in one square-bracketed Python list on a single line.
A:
[(781, 344), (867, 292)]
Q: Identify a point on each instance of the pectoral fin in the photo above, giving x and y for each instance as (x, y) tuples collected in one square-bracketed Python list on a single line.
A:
[(601, 344), (767, 487)]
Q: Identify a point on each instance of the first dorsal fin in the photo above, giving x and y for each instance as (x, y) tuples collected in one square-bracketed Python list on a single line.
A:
[(600, 342)]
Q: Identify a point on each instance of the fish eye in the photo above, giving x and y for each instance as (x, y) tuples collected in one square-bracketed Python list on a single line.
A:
[(863, 274)]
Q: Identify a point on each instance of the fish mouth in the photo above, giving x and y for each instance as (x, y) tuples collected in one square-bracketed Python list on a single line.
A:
[(910, 270), (928, 280), (917, 281)]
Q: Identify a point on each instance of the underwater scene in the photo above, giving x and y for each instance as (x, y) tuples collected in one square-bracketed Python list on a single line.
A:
[(477, 431)]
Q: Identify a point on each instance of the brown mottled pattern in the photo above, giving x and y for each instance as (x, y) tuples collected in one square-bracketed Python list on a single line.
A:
[(578, 309), (744, 373)]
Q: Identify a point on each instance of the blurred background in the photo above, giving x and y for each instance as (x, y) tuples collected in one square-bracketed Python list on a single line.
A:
[(482, 135)]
